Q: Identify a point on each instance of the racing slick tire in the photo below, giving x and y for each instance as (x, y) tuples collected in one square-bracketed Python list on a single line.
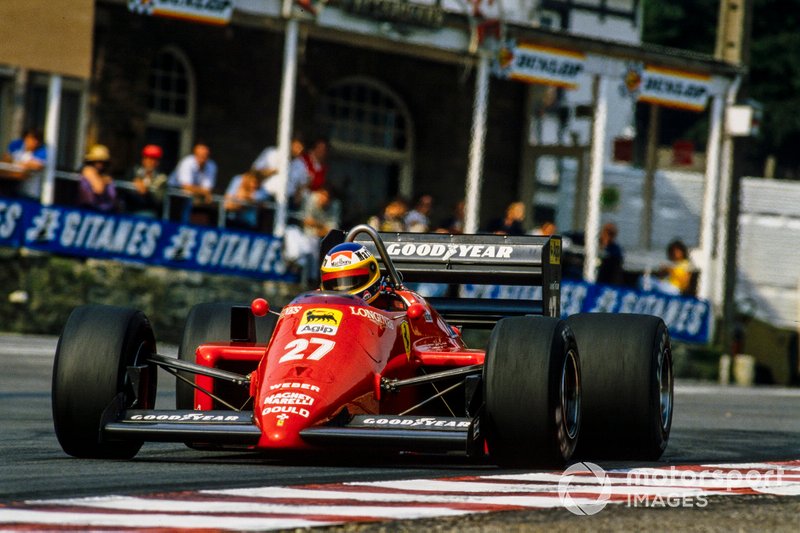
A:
[(91, 382), (532, 392), (210, 322), (627, 385)]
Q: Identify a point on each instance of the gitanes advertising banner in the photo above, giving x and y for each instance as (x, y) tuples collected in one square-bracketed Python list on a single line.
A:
[(76, 232), (688, 319)]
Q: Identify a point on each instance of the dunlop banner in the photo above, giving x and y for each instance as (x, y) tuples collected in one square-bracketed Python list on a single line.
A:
[(533, 63), (206, 11), (666, 87)]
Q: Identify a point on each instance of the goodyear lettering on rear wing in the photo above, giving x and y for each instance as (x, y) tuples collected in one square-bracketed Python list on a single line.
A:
[(446, 252)]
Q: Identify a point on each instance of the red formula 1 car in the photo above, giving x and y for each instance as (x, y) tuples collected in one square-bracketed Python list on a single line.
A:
[(333, 372)]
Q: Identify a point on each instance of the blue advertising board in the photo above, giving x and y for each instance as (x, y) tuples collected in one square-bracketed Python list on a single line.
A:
[(81, 233), (688, 319)]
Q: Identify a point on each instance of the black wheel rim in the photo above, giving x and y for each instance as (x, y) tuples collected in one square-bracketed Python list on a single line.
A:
[(664, 377), (570, 394)]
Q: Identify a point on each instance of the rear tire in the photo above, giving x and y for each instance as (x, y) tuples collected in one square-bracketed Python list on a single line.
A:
[(532, 392), (627, 385), (211, 322), (90, 380)]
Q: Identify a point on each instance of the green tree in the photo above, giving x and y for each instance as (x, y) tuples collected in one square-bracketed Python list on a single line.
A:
[(773, 70)]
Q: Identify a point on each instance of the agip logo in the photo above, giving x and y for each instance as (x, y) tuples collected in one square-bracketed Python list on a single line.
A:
[(320, 320)]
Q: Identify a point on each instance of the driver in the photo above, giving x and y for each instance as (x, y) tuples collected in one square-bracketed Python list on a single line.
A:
[(351, 268)]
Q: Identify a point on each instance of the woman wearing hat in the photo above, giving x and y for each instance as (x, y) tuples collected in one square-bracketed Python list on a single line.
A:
[(96, 189)]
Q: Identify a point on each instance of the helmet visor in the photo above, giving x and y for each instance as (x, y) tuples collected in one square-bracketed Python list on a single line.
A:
[(347, 280)]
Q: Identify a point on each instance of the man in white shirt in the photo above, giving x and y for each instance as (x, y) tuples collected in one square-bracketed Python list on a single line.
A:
[(195, 175), (266, 164)]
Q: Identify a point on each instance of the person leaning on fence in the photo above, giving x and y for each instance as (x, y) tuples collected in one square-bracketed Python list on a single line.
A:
[(242, 197), (29, 155), (96, 189), (196, 175), (149, 184)]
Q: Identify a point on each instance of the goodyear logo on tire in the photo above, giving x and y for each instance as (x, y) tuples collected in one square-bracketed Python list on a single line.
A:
[(320, 320)]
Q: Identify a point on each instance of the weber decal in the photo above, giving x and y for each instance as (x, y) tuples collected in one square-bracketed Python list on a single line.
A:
[(320, 320), (294, 385)]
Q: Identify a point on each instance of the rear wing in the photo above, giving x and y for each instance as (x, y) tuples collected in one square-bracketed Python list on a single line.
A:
[(524, 260)]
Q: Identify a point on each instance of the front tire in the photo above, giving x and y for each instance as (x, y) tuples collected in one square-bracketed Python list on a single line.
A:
[(627, 385), (210, 322), (532, 392), (91, 383)]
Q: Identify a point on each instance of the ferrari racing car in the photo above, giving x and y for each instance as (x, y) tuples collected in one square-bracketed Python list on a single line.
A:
[(365, 362)]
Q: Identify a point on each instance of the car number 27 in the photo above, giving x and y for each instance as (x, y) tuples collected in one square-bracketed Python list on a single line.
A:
[(298, 349)]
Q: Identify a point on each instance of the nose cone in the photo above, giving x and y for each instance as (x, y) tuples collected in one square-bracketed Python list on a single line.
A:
[(281, 425)]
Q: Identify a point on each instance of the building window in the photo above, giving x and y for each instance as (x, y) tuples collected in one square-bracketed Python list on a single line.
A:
[(372, 144), (169, 85), (170, 100)]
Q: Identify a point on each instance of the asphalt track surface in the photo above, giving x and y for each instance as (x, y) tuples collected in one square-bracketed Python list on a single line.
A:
[(712, 425)]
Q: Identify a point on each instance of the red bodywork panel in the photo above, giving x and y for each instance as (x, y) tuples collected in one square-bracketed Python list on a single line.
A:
[(327, 352)]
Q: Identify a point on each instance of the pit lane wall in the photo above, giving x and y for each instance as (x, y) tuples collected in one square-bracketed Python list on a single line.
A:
[(76, 232)]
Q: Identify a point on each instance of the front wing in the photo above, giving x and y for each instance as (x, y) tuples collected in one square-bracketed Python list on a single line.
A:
[(387, 432)]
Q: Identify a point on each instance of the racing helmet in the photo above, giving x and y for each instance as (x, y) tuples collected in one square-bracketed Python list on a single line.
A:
[(351, 268)]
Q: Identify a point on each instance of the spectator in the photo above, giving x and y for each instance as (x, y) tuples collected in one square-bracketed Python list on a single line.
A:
[(149, 184), (455, 222), (547, 229), (611, 256), (417, 220), (511, 223), (241, 201), (676, 276), (266, 164), (196, 175), (393, 217), (96, 189), (29, 154), (321, 213), (307, 172)]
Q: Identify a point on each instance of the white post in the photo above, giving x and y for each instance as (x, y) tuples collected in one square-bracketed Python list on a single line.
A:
[(51, 138), (475, 170), (723, 210), (597, 158), (285, 122), (18, 108), (709, 214)]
